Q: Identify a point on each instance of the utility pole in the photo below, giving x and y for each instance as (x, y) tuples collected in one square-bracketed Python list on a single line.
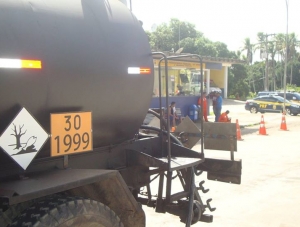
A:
[(286, 49), (179, 35)]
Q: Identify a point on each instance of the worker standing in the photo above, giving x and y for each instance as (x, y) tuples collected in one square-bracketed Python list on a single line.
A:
[(219, 102), (202, 101), (213, 97)]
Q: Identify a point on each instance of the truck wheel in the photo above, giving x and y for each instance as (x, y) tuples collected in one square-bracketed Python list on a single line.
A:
[(12, 212), (197, 212), (66, 212)]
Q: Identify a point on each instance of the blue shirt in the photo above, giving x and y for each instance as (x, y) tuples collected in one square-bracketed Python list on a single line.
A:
[(219, 102)]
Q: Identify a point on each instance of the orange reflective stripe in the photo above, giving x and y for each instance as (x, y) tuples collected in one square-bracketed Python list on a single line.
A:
[(31, 64), (145, 70), (19, 63), (138, 70)]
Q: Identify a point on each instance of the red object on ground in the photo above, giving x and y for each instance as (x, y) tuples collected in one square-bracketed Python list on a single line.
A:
[(238, 131), (283, 123), (262, 128)]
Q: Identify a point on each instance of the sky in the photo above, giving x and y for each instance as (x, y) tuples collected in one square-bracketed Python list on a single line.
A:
[(227, 21)]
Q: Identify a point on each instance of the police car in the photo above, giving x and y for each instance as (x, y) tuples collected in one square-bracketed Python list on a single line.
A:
[(293, 97), (271, 103), (264, 93)]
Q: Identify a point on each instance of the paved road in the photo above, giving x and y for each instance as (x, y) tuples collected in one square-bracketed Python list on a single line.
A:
[(238, 112), (269, 195)]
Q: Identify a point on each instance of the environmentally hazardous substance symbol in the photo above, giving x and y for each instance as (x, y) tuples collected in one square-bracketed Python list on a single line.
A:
[(23, 138)]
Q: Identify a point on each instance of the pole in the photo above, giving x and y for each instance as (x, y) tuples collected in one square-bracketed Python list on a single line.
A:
[(130, 5), (286, 55), (179, 35)]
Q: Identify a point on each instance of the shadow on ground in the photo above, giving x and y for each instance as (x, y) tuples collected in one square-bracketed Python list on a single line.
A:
[(245, 131), (232, 102)]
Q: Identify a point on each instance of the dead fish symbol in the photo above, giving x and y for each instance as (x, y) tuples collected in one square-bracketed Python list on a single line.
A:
[(30, 142)]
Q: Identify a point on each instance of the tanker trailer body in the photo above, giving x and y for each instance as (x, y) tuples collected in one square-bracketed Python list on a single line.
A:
[(80, 54), (85, 49), (82, 69)]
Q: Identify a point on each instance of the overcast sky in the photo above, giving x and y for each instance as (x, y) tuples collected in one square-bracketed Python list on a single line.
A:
[(227, 21)]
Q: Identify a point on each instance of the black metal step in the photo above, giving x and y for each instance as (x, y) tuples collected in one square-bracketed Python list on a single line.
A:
[(178, 196), (181, 163)]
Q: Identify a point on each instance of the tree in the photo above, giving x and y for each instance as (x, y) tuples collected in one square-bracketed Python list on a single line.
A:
[(188, 44), (162, 38), (248, 48), (182, 30), (293, 43), (205, 47), (237, 84), (272, 50), (292, 54), (222, 50), (255, 75), (18, 136), (177, 34)]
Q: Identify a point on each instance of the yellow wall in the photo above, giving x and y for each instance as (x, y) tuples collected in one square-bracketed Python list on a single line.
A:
[(174, 70), (218, 77), (175, 67)]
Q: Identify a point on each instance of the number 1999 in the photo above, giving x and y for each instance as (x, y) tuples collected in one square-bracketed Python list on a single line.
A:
[(72, 143)]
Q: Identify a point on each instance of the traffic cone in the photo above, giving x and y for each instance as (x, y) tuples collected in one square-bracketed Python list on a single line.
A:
[(283, 123), (262, 128), (238, 131)]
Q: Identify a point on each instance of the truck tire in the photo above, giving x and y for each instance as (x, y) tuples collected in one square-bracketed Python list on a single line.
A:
[(12, 212), (67, 212)]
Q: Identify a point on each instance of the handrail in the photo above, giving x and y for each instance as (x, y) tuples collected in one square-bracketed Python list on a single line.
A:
[(201, 88)]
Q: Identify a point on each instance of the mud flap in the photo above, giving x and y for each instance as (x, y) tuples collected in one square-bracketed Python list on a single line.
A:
[(228, 171)]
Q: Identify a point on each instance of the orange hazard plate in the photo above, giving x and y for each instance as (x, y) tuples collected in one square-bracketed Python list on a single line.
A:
[(71, 133)]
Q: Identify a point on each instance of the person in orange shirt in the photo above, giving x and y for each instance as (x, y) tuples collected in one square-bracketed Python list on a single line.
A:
[(224, 117), (203, 103)]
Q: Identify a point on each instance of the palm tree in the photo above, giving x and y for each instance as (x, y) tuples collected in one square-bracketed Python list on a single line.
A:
[(248, 47), (269, 48), (281, 44), (292, 52), (272, 50), (293, 43), (261, 43)]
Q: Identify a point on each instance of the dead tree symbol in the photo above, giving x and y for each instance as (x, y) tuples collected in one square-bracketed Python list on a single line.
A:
[(18, 136)]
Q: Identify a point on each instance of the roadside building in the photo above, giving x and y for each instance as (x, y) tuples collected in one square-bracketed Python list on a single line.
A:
[(184, 79)]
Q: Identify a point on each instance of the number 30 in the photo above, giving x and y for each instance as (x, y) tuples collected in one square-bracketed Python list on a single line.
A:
[(77, 122)]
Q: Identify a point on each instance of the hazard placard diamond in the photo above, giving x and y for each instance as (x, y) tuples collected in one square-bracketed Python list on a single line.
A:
[(23, 138)]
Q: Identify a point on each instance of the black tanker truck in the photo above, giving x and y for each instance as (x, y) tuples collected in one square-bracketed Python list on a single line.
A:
[(76, 80)]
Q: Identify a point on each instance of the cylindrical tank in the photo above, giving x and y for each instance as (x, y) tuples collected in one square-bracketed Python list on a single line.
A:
[(193, 112), (85, 48)]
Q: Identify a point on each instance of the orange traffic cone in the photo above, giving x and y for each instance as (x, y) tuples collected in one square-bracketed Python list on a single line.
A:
[(262, 128), (283, 123), (238, 131)]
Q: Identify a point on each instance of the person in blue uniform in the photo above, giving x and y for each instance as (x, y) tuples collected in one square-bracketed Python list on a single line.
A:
[(219, 102)]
